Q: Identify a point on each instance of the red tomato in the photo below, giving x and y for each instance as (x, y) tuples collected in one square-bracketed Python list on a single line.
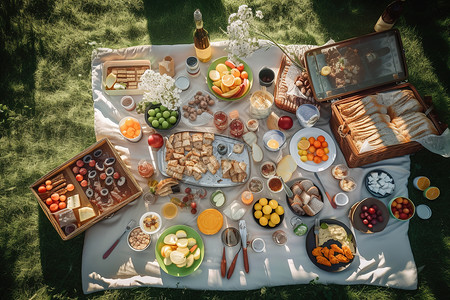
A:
[(79, 177), (42, 189), (155, 140), (240, 67), (54, 207)]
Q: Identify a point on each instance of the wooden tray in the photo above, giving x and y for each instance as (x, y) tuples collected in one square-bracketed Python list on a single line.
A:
[(345, 141), (66, 170)]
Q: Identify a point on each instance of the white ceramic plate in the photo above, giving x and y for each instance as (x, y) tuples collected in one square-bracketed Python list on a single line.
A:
[(202, 119), (310, 165)]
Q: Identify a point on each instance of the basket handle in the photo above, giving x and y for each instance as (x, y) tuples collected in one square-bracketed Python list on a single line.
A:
[(343, 130)]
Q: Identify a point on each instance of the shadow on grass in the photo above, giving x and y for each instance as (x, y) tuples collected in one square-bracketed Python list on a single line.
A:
[(159, 14), (18, 60)]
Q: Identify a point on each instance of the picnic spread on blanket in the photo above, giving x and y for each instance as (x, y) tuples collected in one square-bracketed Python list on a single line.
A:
[(248, 172)]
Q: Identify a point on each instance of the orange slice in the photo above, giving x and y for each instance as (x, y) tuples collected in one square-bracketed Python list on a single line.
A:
[(431, 193), (422, 183), (210, 221), (237, 81), (221, 68), (228, 80)]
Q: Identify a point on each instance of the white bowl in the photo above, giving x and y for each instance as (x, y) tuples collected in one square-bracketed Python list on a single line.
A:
[(145, 228), (136, 139), (274, 178)]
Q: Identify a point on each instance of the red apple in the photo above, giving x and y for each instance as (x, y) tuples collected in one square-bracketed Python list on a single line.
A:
[(155, 140), (285, 122)]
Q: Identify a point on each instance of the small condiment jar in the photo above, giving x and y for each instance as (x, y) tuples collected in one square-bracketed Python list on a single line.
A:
[(128, 103), (340, 199), (247, 197), (252, 125), (258, 245), (298, 226), (192, 66)]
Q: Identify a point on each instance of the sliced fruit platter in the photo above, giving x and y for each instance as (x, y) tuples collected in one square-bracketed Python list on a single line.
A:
[(228, 81), (179, 250)]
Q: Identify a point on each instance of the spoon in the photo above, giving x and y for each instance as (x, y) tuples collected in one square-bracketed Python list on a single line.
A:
[(233, 264), (288, 191), (108, 252)]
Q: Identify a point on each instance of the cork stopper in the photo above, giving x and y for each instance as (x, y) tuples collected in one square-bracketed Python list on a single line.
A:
[(197, 15)]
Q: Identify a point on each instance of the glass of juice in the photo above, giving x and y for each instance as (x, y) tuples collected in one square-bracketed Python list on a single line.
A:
[(169, 211), (236, 128), (221, 120)]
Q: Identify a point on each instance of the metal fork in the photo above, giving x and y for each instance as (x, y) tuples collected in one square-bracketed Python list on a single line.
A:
[(316, 230)]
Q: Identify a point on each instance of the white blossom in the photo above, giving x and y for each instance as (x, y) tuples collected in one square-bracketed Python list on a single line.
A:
[(158, 88)]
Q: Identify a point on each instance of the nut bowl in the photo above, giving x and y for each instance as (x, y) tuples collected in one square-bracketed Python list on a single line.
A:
[(138, 240)]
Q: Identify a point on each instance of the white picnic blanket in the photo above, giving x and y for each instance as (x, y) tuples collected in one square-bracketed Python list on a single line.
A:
[(383, 259)]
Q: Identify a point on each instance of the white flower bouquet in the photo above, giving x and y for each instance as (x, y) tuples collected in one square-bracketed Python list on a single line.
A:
[(242, 31), (158, 89)]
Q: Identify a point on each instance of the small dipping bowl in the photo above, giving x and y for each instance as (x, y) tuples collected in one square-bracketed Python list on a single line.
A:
[(230, 237), (255, 185), (339, 171), (274, 184), (138, 240), (151, 215), (128, 103), (273, 140), (252, 125), (340, 199), (258, 245), (268, 169), (347, 184), (182, 82), (307, 115), (266, 77), (169, 210), (123, 126)]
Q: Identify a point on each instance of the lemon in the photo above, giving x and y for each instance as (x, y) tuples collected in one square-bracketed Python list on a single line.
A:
[(258, 206), (214, 75), (228, 80), (221, 68), (303, 145), (263, 201), (304, 158), (326, 70), (272, 224), (267, 217), (263, 221), (275, 218), (267, 209), (258, 214), (273, 204), (303, 138), (279, 210)]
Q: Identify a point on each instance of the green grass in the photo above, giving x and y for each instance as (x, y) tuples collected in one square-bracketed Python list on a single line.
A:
[(46, 117)]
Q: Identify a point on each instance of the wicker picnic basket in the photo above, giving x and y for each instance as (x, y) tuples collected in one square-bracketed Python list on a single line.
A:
[(370, 80), (346, 143)]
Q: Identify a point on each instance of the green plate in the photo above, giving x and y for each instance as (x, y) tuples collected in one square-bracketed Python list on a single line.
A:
[(173, 269), (213, 65)]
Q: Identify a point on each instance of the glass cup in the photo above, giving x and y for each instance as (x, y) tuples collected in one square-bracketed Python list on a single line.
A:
[(261, 103), (169, 210), (221, 120), (279, 237), (298, 226), (236, 128), (307, 115)]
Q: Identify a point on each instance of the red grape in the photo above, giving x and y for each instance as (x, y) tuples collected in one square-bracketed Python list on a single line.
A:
[(365, 222), (185, 199), (364, 208), (372, 211), (188, 190), (193, 211), (193, 205)]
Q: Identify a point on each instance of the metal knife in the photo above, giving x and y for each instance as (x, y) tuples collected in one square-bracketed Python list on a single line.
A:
[(316, 230), (326, 193), (243, 232)]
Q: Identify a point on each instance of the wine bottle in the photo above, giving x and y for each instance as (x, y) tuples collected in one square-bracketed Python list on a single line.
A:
[(390, 15), (201, 39)]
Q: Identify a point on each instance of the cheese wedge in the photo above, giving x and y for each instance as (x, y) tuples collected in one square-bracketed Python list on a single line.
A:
[(73, 201), (86, 213)]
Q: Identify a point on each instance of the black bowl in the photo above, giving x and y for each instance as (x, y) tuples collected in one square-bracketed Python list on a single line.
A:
[(290, 183), (152, 106), (373, 193), (267, 226)]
